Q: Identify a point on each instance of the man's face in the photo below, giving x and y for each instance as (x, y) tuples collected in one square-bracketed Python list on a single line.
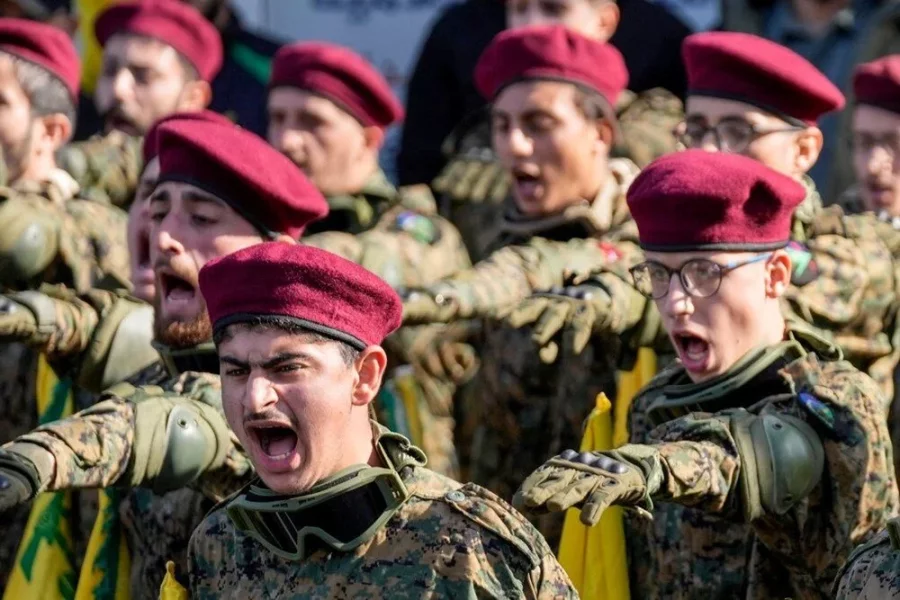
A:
[(876, 158), (581, 16), (188, 228), (711, 334), (319, 137), (142, 277), (141, 81), (289, 402), (777, 151), (17, 127), (556, 156)]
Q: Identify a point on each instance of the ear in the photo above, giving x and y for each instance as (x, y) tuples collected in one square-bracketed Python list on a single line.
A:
[(809, 146), (605, 133), (57, 129), (195, 96), (374, 137), (778, 269), (370, 367), (608, 16)]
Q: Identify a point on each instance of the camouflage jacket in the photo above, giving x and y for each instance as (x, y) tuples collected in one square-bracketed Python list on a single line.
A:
[(107, 167), (536, 254), (124, 441), (447, 541), (873, 570), (53, 235), (702, 547)]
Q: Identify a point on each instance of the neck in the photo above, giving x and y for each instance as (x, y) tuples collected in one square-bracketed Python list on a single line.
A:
[(39, 169), (816, 15)]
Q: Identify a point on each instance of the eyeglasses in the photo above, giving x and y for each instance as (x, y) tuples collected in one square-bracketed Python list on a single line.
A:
[(731, 134), (699, 277)]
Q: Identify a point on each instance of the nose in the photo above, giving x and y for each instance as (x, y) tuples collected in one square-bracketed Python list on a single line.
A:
[(123, 84), (164, 236), (709, 142), (291, 141), (259, 394), (878, 160), (519, 144), (678, 303)]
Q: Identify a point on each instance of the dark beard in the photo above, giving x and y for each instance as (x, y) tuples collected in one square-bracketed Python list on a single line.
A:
[(179, 335)]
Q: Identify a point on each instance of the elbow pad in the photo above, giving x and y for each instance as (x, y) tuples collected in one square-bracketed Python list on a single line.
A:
[(176, 440), (29, 242), (782, 460)]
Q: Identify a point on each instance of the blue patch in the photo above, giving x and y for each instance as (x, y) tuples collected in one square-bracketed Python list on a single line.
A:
[(418, 226), (818, 408)]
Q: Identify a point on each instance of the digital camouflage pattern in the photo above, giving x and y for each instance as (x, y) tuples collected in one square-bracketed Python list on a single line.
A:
[(447, 541), (700, 548), (121, 441), (873, 570), (106, 167), (473, 185)]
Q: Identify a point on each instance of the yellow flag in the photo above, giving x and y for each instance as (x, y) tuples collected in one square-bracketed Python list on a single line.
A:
[(91, 55), (45, 562), (107, 563), (170, 588), (595, 557)]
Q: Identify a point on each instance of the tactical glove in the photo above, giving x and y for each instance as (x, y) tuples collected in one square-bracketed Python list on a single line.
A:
[(592, 481), (420, 307), (567, 311), (473, 176), (19, 481), (17, 322)]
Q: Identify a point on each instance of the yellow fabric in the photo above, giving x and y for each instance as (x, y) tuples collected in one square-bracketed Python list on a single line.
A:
[(92, 53), (595, 558), (170, 588), (107, 562), (45, 564), (408, 390)]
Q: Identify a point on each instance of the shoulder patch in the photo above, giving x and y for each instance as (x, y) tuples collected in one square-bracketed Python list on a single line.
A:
[(492, 513), (610, 252), (804, 267), (419, 226), (818, 409)]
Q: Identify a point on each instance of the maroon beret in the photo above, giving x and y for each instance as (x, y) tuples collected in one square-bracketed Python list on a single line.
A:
[(697, 200), (554, 53), (170, 21), (151, 145), (319, 290), (242, 170), (46, 46), (340, 75), (878, 83), (750, 69)]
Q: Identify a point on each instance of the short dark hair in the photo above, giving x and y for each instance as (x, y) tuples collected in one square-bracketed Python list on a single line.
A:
[(46, 92), (592, 105), (349, 354)]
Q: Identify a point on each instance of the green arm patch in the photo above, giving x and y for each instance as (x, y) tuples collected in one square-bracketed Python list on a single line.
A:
[(420, 227)]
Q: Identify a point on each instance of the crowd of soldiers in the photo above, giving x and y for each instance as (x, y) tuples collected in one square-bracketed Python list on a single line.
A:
[(268, 341)]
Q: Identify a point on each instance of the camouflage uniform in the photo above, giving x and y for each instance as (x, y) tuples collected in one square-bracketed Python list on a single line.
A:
[(520, 410), (447, 540), (714, 543), (473, 185), (873, 571), (51, 235), (107, 167)]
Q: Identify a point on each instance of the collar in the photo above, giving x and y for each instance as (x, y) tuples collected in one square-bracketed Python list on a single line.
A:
[(199, 359), (607, 210)]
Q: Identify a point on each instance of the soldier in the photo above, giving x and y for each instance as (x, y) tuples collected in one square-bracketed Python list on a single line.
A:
[(752, 97), (50, 233), (762, 457), (552, 92), (190, 224), (328, 111), (158, 58), (301, 364), (474, 184), (876, 141)]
